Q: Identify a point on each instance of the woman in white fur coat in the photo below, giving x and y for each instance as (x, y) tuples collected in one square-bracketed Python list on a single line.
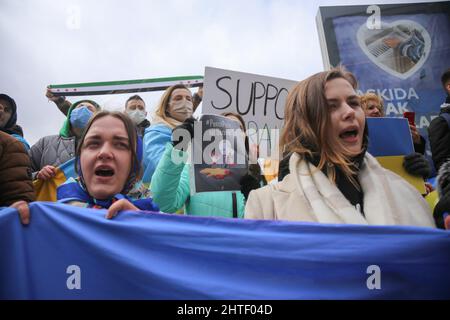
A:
[(332, 178)]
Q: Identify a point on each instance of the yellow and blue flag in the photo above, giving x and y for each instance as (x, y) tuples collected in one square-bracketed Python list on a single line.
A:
[(46, 189), (390, 141)]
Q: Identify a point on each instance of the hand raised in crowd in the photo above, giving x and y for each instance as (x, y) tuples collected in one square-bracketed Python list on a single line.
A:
[(51, 96), (122, 204), (60, 101), (46, 173), (415, 134), (182, 134), (417, 165), (24, 211)]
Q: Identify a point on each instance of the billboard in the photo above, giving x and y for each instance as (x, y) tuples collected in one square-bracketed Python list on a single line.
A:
[(398, 51)]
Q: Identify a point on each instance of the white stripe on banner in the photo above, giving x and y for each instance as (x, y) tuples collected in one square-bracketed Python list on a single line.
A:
[(122, 86)]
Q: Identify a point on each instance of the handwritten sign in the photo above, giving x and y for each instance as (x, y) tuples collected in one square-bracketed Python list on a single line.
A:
[(260, 100)]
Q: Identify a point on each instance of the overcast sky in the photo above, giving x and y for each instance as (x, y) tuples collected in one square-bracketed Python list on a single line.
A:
[(69, 41)]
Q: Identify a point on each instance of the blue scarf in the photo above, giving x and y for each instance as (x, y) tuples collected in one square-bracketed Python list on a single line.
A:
[(73, 191)]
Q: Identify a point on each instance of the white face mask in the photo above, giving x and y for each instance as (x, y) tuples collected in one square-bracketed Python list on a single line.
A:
[(181, 110), (137, 116)]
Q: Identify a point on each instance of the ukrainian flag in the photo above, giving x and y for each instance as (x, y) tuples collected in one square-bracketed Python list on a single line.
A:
[(390, 141), (46, 189)]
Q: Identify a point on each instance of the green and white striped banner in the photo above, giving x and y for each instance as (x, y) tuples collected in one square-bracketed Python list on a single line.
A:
[(126, 86)]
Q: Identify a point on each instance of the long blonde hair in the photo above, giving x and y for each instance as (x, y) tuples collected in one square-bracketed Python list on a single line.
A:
[(162, 110), (307, 121)]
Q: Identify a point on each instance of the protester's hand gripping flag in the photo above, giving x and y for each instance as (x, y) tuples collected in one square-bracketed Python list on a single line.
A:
[(46, 189)]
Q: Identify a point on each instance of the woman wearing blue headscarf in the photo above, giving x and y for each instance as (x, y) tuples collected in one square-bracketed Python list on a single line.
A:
[(108, 162)]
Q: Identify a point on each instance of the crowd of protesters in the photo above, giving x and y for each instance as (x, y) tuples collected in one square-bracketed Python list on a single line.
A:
[(326, 174)]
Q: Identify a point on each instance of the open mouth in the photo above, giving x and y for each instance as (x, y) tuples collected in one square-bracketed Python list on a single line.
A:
[(104, 172), (350, 133)]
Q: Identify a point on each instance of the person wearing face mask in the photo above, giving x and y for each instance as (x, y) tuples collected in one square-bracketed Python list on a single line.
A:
[(51, 151), (175, 107), (135, 109), (332, 178)]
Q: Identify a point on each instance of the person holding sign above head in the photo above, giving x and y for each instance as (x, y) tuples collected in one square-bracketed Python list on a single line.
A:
[(61, 102), (175, 107), (171, 181), (332, 178)]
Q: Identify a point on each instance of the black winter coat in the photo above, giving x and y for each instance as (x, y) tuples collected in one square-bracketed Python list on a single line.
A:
[(439, 136)]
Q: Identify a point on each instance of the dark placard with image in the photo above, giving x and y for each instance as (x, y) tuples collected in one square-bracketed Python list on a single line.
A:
[(219, 155)]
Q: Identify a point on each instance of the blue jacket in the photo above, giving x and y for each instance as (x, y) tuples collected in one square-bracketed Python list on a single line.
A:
[(155, 138), (171, 190)]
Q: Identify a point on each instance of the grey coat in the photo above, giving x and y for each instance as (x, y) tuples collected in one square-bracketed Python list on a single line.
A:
[(51, 150)]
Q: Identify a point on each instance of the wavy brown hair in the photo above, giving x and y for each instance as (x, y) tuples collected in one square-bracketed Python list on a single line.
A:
[(307, 121)]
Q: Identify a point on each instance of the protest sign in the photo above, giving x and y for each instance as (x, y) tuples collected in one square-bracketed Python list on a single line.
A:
[(259, 99), (219, 155)]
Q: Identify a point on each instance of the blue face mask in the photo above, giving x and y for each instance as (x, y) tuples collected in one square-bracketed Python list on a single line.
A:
[(80, 117)]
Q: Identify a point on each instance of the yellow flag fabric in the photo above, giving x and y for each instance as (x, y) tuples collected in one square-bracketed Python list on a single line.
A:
[(46, 189), (395, 164)]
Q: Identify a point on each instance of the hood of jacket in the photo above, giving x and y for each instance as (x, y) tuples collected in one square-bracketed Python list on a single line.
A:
[(66, 131)]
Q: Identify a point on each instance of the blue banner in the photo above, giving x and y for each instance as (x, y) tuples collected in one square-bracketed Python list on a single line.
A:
[(73, 253)]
